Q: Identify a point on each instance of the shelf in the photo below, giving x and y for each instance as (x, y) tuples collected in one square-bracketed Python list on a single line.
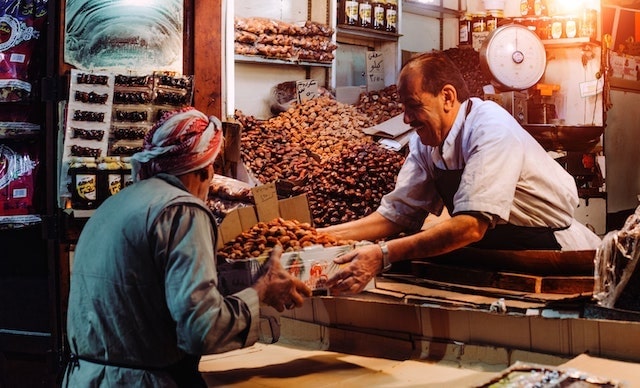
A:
[(429, 10), (255, 59), (20, 221), (344, 30), (573, 138), (624, 84), (570, 42)]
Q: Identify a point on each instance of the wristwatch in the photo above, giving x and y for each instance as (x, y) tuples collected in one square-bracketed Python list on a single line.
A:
[(386, 265)]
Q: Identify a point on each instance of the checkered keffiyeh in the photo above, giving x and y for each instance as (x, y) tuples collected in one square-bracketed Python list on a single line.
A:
[(180, 142)]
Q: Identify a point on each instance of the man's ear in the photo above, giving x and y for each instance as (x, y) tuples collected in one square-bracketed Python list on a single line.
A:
[(450, 96), (203, 174)]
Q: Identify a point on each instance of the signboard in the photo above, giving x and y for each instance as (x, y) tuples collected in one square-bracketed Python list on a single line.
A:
[(375, 71), (306, 89)]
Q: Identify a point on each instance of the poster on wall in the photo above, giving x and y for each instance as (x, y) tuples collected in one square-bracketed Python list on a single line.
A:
[(124, 34)]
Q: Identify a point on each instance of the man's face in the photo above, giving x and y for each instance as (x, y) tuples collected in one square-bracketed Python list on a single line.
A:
[(422, 110)]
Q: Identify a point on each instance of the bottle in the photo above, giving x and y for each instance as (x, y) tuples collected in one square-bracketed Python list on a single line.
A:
[(493, 20), (478, 30), (571, 27), (379, 7), (109, 177), (465, 29), (557, 27), (364, 14), (479, 22), (391, 16), (351, 13), (84, 183), (524, 7), (537, 7), (127, 178)]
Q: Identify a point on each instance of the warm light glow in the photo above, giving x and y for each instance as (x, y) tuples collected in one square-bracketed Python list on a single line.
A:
[(573, 7)]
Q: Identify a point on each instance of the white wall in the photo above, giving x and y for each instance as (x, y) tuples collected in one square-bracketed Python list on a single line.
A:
[(622, 149), (419, 33)]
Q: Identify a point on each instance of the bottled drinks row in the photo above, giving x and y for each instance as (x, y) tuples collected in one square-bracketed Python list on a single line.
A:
[(379, 15)]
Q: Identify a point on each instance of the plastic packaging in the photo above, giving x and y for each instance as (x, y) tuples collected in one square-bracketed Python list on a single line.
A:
[(616, 260)]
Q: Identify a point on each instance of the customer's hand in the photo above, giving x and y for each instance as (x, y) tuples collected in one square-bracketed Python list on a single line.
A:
[(364, 263), (277, 288)]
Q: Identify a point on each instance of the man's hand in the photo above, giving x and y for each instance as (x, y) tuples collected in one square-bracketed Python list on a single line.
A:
[(277, 288), (364, 263)]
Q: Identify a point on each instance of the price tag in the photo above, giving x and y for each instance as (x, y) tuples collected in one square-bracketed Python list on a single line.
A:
[(306, 89), (266, 199), (375, 70)]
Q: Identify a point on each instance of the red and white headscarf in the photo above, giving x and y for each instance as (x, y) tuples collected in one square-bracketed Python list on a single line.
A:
[(180, 142)]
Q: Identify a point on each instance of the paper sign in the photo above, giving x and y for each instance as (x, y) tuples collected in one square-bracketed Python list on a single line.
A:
[(306, 89), (590, 88), (266, 199), (375, 70)]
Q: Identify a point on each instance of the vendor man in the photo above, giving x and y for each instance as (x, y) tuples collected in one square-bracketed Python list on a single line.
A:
[(501, 188)]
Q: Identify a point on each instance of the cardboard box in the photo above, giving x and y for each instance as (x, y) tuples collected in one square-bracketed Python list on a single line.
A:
[(267, 208)]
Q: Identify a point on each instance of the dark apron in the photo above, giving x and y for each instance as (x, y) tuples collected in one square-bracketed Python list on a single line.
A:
[(503, 236)]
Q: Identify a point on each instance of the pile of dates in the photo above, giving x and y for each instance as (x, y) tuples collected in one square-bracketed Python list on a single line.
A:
[(319, 148), (262, 237)]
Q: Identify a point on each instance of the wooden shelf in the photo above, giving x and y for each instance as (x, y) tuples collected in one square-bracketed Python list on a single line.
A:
[(344, 30), (624, 84), (273, 61), (570, 42)]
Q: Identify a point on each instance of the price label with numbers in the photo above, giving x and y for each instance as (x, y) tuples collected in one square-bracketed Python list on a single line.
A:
[(306, 89), (375, 70)]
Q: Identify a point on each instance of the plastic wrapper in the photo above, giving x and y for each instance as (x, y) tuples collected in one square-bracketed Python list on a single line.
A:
[(17, 180), (615, 266), (227, 194), (21, 23)]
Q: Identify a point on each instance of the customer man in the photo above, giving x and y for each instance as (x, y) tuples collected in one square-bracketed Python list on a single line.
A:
[(502, 190), (143, 303)]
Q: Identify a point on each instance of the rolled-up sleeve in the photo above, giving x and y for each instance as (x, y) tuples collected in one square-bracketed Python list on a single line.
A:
[(414, 195)]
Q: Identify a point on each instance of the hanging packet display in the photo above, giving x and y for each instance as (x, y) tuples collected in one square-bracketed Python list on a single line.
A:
[(21, 22)]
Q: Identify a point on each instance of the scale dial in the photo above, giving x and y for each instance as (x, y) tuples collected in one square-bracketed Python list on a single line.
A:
[(514, 57)]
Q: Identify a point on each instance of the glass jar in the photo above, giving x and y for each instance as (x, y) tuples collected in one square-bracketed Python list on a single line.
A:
[(544, 28), (537, 7), (351, 13), (391, 16), (479, 31), (379, 7), (588, 24), (364, 14), (493, 20), (557, 27), (479, 22), (571, 27), (524, 7), (465, 29)]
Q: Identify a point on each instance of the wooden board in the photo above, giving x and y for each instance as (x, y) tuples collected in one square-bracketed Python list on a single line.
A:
[(534, 262), (503, 280)]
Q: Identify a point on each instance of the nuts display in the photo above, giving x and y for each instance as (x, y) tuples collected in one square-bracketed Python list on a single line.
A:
[(262, 237)]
